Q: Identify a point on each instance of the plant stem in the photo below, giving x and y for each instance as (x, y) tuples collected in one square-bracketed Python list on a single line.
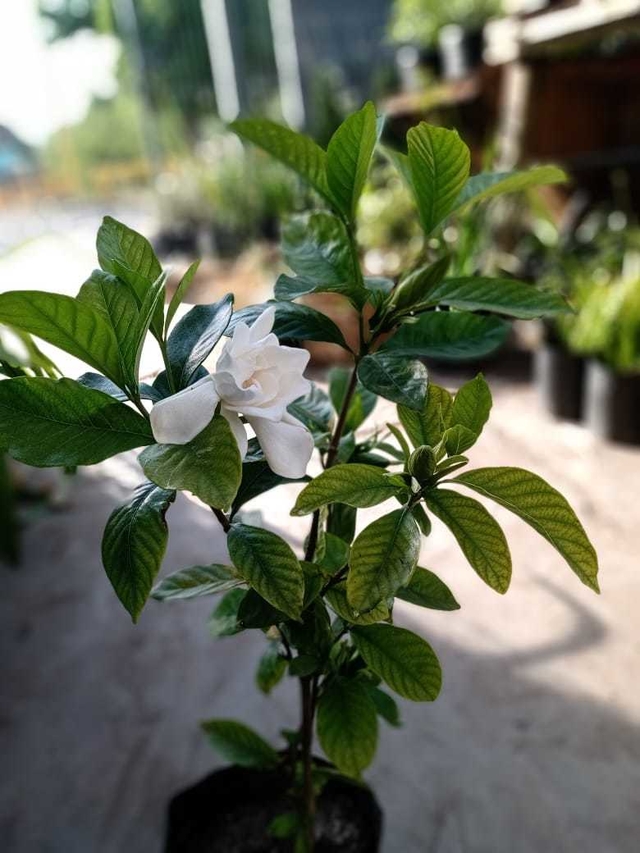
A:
[(308, 691), (222, 518), (342, 419)]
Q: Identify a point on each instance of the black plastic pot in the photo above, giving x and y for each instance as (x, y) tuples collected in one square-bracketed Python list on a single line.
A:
[(612, 404), (560, 380), (230, 811)]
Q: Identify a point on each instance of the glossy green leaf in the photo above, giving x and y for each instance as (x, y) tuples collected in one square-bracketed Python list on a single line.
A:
[(489, 184), (499, 295), (349, 156), (427, 590), (133, 545), (193, 338), (479, 536), (429, 424), (354, 484), (347, 725), (239, 744), (209, 466), (257, 478), (472, 405), (296, 151), (544, 509), (332, 553), (130, 256), (180, 293), (406, 662), (396, 378), (72, 325), (152, 302), (314, 411), (269, 565), (196, 581), (293, 322), (337, 600), (416, 288), (448, 335), (439, 162), (383, 557), (101, 383), (223, 622), (255, 612), (342, 521), (271, 668), (58, 422)]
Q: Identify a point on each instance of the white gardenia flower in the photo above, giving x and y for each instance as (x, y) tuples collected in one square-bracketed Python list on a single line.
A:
[(256, 377)]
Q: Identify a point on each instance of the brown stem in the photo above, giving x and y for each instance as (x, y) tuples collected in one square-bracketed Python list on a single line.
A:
[(342, 419), (222, 518)]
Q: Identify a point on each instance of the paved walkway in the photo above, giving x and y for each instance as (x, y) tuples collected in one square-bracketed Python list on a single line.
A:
[(533, 746)]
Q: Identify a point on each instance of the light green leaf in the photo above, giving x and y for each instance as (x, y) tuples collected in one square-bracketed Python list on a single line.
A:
[(271, 668), (427, 590), (401, 163), (193, 338), (348, 158), (196, 581), (269, 565), (240, 744), (352, 484), (51, 422), (472, 405), (71, 325), (209, 466), (223, 622), (347, 725), (336, 597), (130, 256), (544, 509), (489, 184), (179, 294), (439, 162), (459, 438), (478, 534), (293, 322), (406, 662), (383, 557), (499, 295), (448, 335), (114, 300), (428, 425), (133, 545), (363, 401), (153, 300), (296, 151), (395, 378)]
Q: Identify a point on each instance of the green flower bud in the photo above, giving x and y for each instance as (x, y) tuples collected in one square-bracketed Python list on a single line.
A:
[(422, 463)]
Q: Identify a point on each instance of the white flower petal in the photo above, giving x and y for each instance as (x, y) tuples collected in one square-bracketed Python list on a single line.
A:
[(180, 418), (286, 444), (263, 324), (238, 429)]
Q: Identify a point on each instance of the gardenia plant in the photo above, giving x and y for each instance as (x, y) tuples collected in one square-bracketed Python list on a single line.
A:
[(326, 614)]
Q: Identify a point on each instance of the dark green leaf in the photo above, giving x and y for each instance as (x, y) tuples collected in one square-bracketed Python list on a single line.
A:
[(255, 612), (439, 162), (332, 553), (271, 668), (428, 425), (416, 288), (489, 184), (209, 466), (71, 325), (395, 378), (478, 534), (499, 295), (448, 335), (405, 661), (180, 293), (348, 158), (196, 581), (342, 521), (101, 383), (303, 666), (267, 562), (134, 543), (383, 557), (257, 478), (386, 707), (195, 336), (296, 151), (240, 744), (293, 322), (353, 484), (347, 725), (337, 600), (58, 422), (314, 411), (544, 509), (427, 590), (223, 622)]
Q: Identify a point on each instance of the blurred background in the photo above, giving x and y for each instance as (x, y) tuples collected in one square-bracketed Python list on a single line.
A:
[(120, 107)]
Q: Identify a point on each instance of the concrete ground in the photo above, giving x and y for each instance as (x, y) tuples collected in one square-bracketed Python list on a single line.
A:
[(532, 747)]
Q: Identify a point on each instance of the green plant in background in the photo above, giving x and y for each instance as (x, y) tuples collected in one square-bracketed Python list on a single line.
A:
[(327, 615), (420, 21)]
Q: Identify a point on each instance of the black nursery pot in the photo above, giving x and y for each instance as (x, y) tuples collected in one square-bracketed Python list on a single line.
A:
[(560, 380), (230, 810), (612, 405)]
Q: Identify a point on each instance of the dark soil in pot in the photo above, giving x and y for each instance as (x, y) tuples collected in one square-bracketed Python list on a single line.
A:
[(230, 811), (612, 406), (560, 380)]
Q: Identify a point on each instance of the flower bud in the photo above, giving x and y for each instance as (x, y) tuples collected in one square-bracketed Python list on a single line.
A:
[(422, 463)]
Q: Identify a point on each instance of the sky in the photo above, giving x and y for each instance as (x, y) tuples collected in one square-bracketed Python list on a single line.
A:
[(46, 86)]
